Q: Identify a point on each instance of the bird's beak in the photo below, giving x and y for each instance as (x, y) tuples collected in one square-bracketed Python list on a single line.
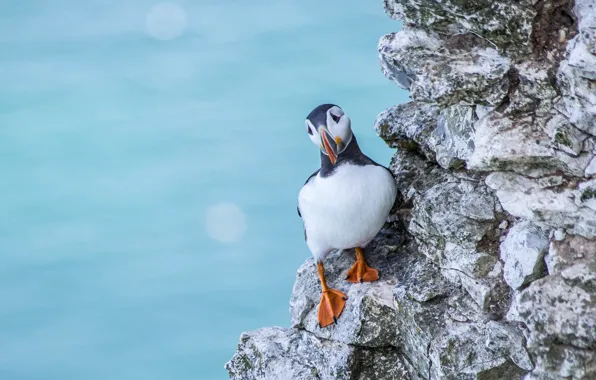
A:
[(330, 148)]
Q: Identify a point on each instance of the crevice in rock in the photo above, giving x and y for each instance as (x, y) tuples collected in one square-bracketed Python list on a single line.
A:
[(555, 23), (430, 362), (514, 81)]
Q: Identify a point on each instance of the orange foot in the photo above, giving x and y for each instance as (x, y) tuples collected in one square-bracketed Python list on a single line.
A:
[(360, 271), (332, 301), (331, 305)]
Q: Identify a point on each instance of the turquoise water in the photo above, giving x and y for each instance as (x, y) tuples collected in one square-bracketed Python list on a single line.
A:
[(150, 160)]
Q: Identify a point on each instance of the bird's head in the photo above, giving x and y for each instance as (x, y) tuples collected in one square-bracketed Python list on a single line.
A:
[(329, 128)]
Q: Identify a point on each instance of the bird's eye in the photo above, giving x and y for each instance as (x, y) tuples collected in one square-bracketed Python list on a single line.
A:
[(309, 130), (335, 118)]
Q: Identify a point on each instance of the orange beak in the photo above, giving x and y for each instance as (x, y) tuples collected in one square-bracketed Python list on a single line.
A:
[(330, 152)]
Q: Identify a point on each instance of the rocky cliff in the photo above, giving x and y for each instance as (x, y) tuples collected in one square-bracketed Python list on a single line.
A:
[(488, 267)]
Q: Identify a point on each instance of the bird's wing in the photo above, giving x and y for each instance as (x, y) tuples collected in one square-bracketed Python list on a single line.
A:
[(307, 180)]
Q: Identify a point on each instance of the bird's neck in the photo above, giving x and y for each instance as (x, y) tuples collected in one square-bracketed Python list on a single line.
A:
[(351, 153)]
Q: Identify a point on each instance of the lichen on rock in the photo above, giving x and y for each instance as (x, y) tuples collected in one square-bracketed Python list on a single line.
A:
[(440, 71), (488, 267)]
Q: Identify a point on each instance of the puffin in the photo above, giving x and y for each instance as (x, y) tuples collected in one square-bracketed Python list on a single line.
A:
[(344, 204)]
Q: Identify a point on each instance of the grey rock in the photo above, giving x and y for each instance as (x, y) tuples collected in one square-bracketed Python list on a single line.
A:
[(482, 111), (519, 144), (409, 126), (506, 24), (558, 234), (504, 143), (555, 362), (414, 175), (450, 220), (565, 137), (535, 80), (422, 305), (560, 310), (454, 136), (560, 313), (591, 168), (368, 318), (568, 252), (523, 197), (445, 136), (446, 337), (525, 136), (453, 211), (586, 195), (443, 74), (522, 252), (275, 353), (577, 72)]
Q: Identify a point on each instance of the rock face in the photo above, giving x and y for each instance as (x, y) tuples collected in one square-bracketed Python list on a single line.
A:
[(488, 267)]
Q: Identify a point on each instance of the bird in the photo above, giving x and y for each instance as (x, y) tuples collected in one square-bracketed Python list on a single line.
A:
[(344, 204)]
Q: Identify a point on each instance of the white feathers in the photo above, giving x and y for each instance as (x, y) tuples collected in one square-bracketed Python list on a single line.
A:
[(338, 124), (346, 209), (313, 134)]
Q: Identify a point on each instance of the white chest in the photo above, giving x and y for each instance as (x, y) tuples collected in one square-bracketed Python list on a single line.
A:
[(346, 209)]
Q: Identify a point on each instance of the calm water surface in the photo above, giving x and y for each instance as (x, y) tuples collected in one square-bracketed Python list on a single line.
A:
[(150, 159)]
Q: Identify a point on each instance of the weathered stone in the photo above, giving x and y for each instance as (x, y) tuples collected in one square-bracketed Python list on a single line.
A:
[(454, 211), (409, 126), (535, 81), (557, 310), (275, 353), (414, 174), (450, 219), (434, 72), (586, 195), (522, 252), (447, 338), (591, 168), (369, 315), (560, 313), (555, 362), (504, 143), (523, 197), (565, 137), (576, 76), (506, 24), (454, 136), (446, 136), (570, 251)]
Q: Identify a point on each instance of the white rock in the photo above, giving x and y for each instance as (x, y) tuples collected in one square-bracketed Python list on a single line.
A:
[(420, 62), (570, 251), (591, 168), (522, 252), (454, 135), (524, 198), (578, 71), (275, 353), (554, 308), (558, 234), (502, 143)]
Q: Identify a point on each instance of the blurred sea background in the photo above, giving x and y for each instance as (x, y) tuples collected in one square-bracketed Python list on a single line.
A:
[(151, 156)]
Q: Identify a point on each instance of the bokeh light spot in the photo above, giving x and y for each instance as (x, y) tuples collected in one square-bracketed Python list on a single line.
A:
[(225, 222), (165, 21)]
